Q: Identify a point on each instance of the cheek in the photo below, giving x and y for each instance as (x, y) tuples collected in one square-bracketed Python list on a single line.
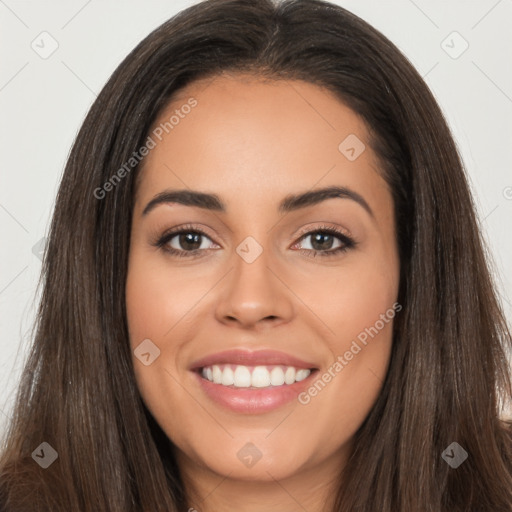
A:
[(156, 306), (352, 298), (358, 300), (161, 306), (358, 307), (158, 299)]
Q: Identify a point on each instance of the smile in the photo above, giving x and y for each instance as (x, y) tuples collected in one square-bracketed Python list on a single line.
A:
[(240, 376)]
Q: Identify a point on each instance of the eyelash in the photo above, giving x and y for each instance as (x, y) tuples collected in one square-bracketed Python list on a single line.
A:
[(348, 243)]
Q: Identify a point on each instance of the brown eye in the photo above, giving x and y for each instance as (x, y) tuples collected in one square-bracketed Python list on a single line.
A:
[(185, 241), (321, 241), (326, 242), (188, 241)]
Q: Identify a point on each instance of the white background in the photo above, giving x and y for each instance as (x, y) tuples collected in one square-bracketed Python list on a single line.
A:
[(44, 101)]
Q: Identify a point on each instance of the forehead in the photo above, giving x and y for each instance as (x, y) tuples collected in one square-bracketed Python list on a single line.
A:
[(257, 138)]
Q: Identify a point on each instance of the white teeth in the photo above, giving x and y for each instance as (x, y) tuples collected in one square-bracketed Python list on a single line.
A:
[(257, 377), (216, 374), (242, 377), (260, 377), (227, 377), (277, 376), (301, 375), (289, 376)]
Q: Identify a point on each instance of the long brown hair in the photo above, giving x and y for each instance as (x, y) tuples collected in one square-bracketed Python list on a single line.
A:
[(448, 374)]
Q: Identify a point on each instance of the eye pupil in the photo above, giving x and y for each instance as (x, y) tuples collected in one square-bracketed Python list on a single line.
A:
[(190, 238), (318, 237)]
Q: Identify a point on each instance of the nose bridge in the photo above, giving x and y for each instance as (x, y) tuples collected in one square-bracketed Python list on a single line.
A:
[(252, 279), (252, 291), (252, 261)]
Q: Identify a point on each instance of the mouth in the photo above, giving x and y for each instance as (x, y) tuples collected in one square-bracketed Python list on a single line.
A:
[(254, 377), (252, 382)]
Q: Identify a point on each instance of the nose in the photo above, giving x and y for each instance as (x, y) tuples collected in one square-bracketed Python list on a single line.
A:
[(254, 293)]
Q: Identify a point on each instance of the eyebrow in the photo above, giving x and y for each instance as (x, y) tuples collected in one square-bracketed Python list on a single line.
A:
[(290, 203)]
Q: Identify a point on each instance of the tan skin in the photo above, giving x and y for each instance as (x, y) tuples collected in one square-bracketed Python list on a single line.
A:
[(253, 143)]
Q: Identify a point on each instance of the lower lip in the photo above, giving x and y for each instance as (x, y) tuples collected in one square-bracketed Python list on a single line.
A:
[(250, 400)]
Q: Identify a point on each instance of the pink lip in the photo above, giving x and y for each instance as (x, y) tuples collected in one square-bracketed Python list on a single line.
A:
[(250, 400), (247, 358), (253, 401)]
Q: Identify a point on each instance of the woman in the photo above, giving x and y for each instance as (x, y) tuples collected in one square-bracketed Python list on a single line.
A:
[(259, 368)]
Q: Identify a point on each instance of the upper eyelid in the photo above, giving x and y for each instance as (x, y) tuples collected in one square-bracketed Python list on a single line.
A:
[(324, 227), (171, 233)]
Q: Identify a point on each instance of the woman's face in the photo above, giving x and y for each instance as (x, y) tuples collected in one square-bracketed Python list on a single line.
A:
[(261, 334)]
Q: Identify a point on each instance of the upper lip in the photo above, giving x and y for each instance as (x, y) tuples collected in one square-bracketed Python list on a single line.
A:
[(252, 358)]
